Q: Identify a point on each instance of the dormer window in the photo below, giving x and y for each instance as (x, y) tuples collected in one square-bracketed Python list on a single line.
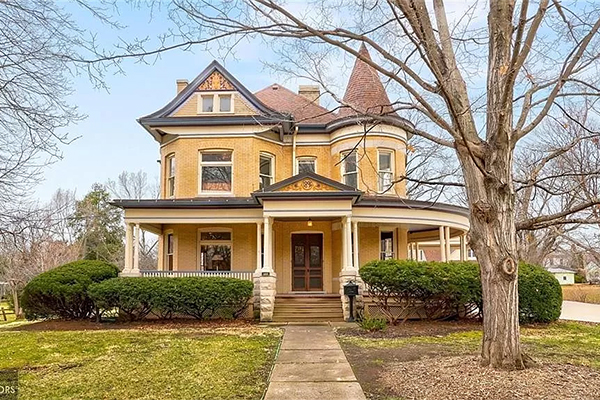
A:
[(217, 102), (306, 164)]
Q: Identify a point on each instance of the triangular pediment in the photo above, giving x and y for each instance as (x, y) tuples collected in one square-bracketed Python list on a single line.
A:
[(309, 182), (308, 185)]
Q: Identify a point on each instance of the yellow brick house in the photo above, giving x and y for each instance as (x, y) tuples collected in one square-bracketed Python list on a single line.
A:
[(272, 187)]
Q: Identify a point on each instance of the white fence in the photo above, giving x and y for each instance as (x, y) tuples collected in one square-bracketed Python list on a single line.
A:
[(246, 275)]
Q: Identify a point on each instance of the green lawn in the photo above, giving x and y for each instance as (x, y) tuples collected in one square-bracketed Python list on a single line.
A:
[(562, 342), (185, 363)]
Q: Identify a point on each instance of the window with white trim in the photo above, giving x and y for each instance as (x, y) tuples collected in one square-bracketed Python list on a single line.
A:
[(385, 170), (171, 175), (215, 250), (350, 169), (386, 245), (266, 170), (170, 252), (218, 102), (216, 168), (306, 164)]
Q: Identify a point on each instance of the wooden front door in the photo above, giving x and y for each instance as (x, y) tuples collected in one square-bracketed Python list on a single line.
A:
[(307, 262)]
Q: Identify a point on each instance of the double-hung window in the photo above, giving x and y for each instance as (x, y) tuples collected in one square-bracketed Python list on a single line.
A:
[(350, 169), (170, 253), (215, 103), (266, 170), (215, 250), (171, 175), (306, 164), (216, 171), (385, 170), (386, 245)]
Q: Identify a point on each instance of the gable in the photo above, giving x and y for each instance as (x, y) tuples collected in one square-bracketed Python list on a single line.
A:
[(214, 79), (307, 185)]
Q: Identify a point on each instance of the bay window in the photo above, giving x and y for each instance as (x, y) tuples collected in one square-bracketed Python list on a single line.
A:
[(216, 168)]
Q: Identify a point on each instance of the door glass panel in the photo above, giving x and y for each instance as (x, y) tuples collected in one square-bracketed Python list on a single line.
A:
[(299, 255), (315, 283), (315, 256), (299, 283)]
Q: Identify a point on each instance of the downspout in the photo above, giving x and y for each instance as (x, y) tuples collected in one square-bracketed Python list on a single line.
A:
[(294, 172)]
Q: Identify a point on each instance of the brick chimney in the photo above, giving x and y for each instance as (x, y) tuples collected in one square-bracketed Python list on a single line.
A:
[(181, 84), (311, 92)]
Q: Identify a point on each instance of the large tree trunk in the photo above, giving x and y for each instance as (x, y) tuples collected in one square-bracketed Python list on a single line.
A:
[(493, 237)]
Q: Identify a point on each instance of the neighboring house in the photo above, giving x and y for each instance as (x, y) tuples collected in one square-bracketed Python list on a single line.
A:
[(564, 276), (272, 187)]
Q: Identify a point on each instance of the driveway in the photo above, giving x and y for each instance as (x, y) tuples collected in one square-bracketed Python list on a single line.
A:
[(576, 311)]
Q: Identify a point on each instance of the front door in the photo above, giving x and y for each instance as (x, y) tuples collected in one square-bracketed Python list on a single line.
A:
[(307, 261)]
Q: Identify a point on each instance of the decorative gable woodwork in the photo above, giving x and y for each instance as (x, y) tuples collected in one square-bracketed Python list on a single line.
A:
[(307, 185), (215, 81)]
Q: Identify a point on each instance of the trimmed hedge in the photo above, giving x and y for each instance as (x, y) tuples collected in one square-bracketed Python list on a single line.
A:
[(540, 295), (198, 297), (438, 290), (63, 291)]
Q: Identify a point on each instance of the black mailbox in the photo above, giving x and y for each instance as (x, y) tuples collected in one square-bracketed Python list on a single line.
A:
[(351, 289)]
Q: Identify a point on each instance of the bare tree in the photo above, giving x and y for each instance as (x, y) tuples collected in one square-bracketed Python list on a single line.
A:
[(537, 57)]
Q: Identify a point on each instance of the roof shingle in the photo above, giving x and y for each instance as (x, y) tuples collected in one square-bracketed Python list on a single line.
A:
[(365, 92), (303, 110)]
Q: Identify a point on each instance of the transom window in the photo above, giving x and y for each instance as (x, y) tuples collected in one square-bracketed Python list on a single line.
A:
[(171, 175), (216, 171), (215, 103), (215, 250), (385, 170), (306, 164), (266, 170), (350, 169)]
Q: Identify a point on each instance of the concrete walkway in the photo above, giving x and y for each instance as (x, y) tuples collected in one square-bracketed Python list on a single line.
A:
[(576, 311), (311, 365)]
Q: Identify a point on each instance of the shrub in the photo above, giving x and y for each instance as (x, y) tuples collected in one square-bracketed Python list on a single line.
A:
[(372, 324), (540, 295), (199, 297), (63, 291), (438, 290), (579, 278), (435, 290)]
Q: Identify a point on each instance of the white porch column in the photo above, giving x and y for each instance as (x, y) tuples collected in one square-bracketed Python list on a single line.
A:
[(128, 247), (344, 244), (447, 242), (463, 247), (268, 250), (136, 250), (442, 244), (355, 232), (417, 252), (348, 248), (258, 246)]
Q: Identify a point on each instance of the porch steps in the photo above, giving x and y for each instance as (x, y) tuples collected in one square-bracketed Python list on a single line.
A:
[(307, 308)]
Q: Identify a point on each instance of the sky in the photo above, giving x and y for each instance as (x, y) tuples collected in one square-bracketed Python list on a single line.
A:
[(110, 140)]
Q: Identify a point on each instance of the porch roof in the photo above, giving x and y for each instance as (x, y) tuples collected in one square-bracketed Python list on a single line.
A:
[(201, 202)]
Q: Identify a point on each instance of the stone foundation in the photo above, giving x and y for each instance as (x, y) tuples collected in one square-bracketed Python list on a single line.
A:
[(351, 276), (130, 273), (264, 296)]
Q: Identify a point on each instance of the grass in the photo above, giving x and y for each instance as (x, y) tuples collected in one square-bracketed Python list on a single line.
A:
[(560, 342), (9, 317), (185, 363), (582, 292)]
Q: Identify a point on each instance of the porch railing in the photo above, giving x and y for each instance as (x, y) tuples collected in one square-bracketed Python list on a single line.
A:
[(246, 275)]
